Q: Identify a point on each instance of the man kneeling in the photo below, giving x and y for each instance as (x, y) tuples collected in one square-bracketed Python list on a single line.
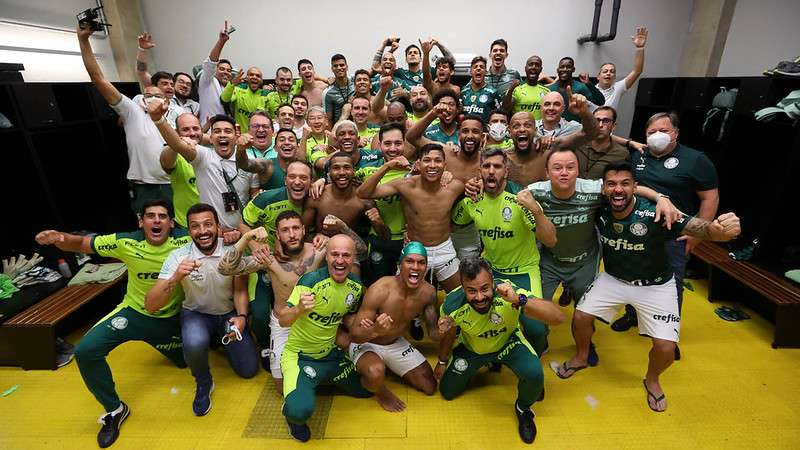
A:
[(487, 312), (390, 305)]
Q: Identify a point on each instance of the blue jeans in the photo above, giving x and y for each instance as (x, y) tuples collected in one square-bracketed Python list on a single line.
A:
[(676, 255), (197, 330)]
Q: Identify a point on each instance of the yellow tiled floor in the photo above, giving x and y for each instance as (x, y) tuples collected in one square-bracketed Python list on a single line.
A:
[(731, 390)]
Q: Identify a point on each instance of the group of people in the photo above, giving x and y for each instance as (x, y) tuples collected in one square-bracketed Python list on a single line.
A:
[(315, 220)]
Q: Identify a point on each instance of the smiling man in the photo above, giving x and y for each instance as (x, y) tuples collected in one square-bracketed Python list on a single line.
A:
[(271, 171), (477, 97), (500, 78), (143, 252), (566, 67), (528, 97), (243, 100), (446, 107)]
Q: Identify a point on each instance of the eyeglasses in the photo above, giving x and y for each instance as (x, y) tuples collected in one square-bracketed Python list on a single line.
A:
[(260, 126), (605, 121)]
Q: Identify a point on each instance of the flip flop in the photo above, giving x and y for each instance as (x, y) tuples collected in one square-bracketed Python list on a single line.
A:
[(655, 399), (566, 368)]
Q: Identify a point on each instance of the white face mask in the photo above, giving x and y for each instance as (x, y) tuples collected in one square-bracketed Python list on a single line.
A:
[(497, 131), (658, 141)]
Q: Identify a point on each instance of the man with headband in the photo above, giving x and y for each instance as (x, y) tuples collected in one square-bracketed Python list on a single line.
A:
[(376, 332)]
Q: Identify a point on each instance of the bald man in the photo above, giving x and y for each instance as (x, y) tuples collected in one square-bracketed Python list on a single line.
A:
[(244, 100), (552, 122)]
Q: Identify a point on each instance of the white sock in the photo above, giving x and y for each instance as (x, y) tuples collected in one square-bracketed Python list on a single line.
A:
[(116, 411)]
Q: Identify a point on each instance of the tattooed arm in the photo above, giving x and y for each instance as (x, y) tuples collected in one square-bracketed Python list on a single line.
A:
[(723, 228), (333, 225), (431, 313), (233, 263)]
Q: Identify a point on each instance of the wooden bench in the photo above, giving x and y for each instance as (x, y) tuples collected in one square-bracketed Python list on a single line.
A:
[(28, 339), (726, 276)]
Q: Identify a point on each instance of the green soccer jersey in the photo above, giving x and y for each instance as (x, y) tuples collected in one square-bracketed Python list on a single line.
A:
[(409, 79), (434, 132), (243, 101), (144, 262), (633, 247), (369, 132), (311, 143), (502, 83), (507, 230), (369, 158), (277, 180), (184, 189), (376, 87), (483, 333), (480, 102), (314, 333), (679, 174), (275, 99), (390, 207), (529, 98), (573, 218), (264, 208)]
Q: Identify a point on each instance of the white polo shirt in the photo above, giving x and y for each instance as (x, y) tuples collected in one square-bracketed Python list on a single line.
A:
[(210, 171), (205, 289), (144, 143), (209, 90)]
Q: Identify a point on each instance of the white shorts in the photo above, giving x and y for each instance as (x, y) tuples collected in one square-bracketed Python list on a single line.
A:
[(466, 240), (400, 356), (656, 305), (442, 260), (278, 336)]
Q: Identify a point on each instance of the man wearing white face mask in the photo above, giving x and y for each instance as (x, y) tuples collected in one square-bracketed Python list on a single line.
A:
[(684, 174)]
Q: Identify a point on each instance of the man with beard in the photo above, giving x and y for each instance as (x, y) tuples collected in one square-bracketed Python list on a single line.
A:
[(500, 78), (244, 100), (376, 332), (637, 271), (220, 183), (527, 97), (435, 81), (286, 119), (271, 171), (613, 90), (147, 179), (552, 122), (498, 130), (214, 307), (566, 67), (347, 141), (420, 100), (144, 252), (529, 153), (340, 91), (311, 86), (446, 107), (282, 95), (487, 313), (414, 76), (477, 97), (426, 206), (182, 81), (216, 74), (595, 155), (314, 311), (396, 111), (300, 107), (299, 257), (338, 210), (181, 173), (509, 222)]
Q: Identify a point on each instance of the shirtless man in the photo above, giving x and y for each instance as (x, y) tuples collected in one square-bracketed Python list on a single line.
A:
[(312, 87), (446, 108), (426, 206), (389, 306), (445, 67), (529, 153), (301, 257)]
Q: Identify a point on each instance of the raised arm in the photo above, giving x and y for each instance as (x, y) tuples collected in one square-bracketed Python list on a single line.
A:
[(332, 225), (216, 50), (545, 230), (168, 159), (445, 52), (378, 102), (536, 308), (375, 67), (111, 95), (427, 79), (508, 99), (723, 228), (414, 135), (145, 43), (156, 110), (65, 241), (639, 41), (578, 105), (261, 166), (371, 188), (159, 294)]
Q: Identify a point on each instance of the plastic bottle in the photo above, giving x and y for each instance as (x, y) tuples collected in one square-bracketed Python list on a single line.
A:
[(63, 268)]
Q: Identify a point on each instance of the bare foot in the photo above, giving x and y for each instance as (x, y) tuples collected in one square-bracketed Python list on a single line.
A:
[(389, 401), (656, 399)]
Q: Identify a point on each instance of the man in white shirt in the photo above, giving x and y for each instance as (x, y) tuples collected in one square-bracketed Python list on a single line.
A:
[(215, 306), (216, 74), (606, 79)]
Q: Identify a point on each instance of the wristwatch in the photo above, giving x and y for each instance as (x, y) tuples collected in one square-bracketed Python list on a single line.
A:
[(523, 300)]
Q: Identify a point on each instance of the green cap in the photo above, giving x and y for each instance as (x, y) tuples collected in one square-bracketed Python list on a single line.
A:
[(415, 248)]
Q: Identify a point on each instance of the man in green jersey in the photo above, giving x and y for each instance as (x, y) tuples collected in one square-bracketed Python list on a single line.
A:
[(414, 75), (243, 100), (638, 272), (314, 311), (527, 97), (181, 173), (283, 93), (500, 77), (566, 67), (487, 312), (144, 252), (446, 108), (271, 171), (347, 140), (477, 97), (509, 222)]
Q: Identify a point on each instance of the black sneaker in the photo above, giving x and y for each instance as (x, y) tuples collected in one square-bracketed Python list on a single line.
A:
[(527, 428), (566, 298), (788, 68), (677, 353), (300, 432), (416, 331), (65, 352), (541, 396), (593, 359), (627, 321), (202, 399), (265, 359), (109, 432)]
